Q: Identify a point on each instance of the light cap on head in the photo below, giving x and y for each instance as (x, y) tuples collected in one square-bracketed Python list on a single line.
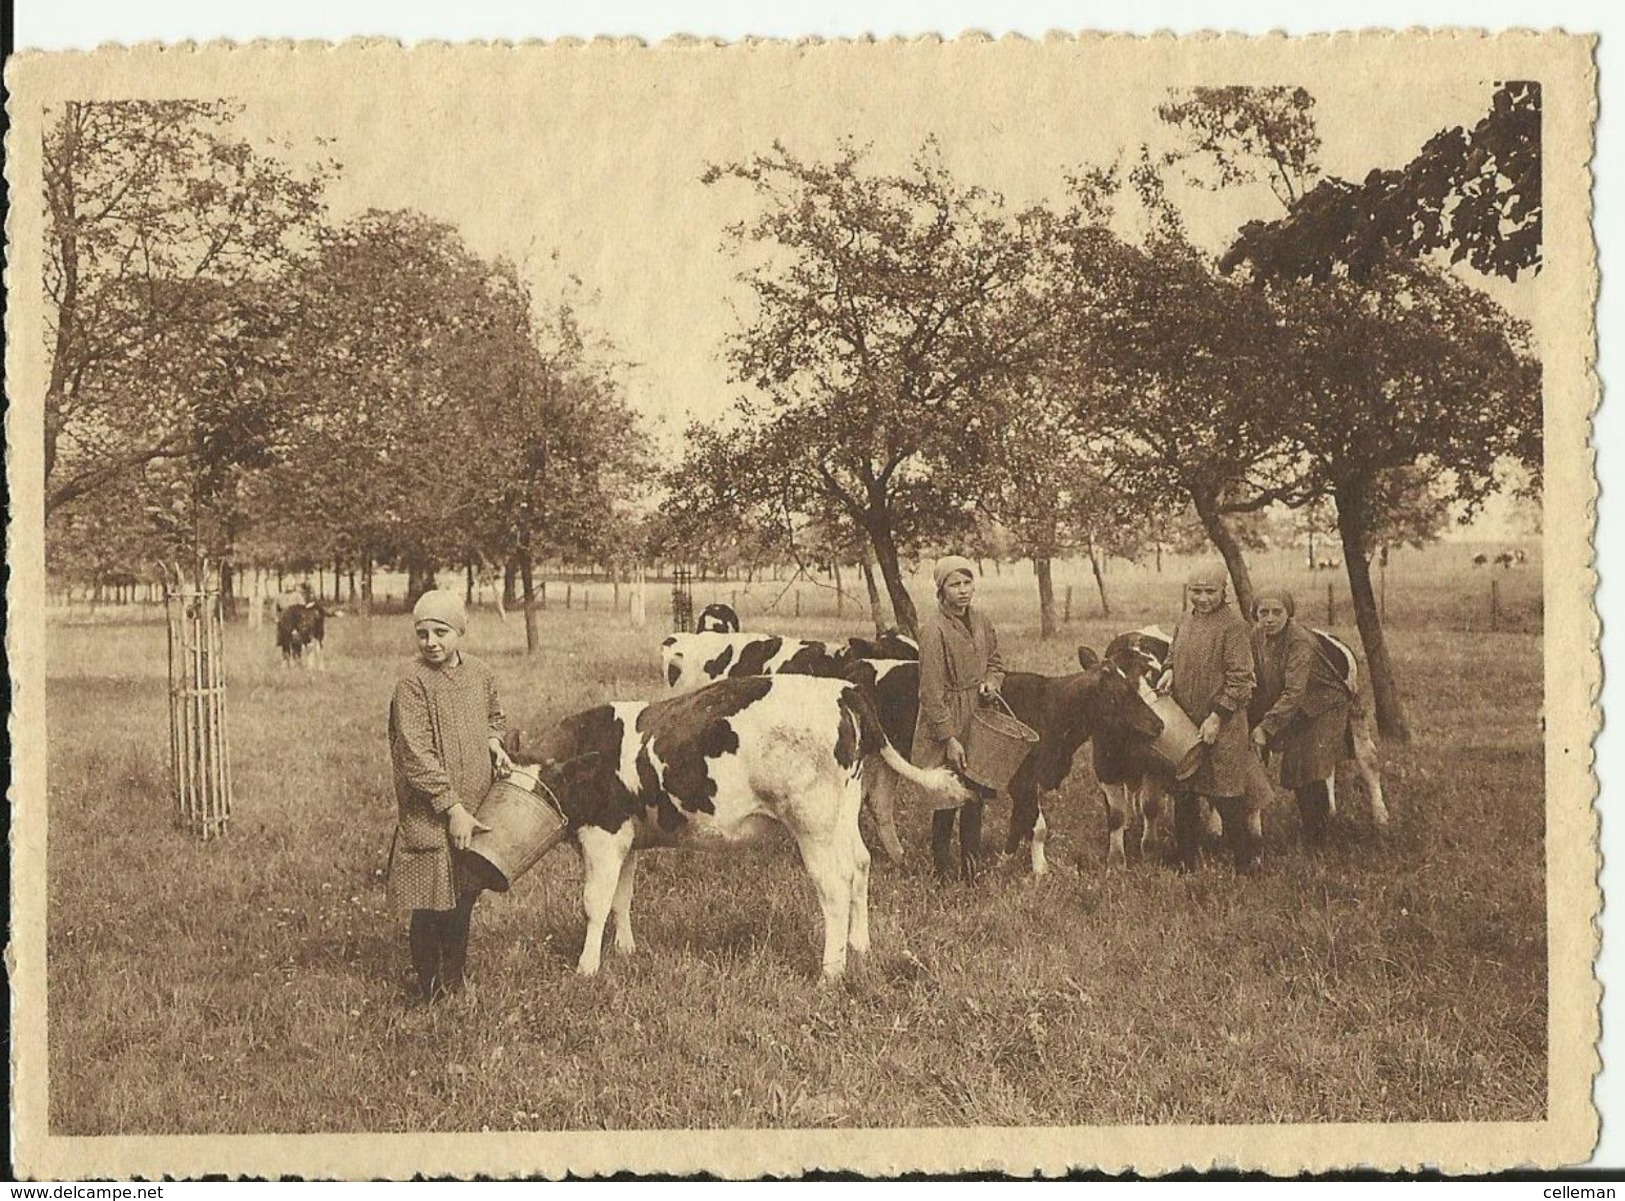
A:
[(950, 565), (442, 605)]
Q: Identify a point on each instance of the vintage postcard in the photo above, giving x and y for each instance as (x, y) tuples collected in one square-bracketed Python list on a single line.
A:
[(1053, 576)]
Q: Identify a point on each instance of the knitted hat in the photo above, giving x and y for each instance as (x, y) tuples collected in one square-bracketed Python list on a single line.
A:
[(441, 605), (950, 564), (1211, 572)]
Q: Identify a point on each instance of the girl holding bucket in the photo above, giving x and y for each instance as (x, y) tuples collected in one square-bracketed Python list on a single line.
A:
[(445, 741), (959, 666), (1301, 709), (1211, 678)]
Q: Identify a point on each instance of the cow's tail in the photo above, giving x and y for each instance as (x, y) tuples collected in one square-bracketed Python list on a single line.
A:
[(884, 766)]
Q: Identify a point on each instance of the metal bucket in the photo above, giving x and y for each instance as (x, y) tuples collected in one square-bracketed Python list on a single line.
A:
[(1179, 745), (995, 748), (525, 825)]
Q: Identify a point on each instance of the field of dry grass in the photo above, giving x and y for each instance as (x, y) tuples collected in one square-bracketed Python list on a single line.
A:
[(257, 983)]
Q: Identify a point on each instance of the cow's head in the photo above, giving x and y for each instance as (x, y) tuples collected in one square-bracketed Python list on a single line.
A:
[(1114, 707)]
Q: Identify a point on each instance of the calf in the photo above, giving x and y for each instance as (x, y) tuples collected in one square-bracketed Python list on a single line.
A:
[(1096, 704), (300, 631), (1135, 783), (1361, 748), (722, 766), (717, 619)]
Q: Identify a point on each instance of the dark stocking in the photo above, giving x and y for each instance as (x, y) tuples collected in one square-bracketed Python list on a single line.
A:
[(454, 941), (423, 937), (970, 839), (942, 837), (1187, 830), (1314, 806), (1233, 813)]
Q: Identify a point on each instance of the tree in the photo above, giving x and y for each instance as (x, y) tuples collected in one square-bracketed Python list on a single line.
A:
[(1475, 194), (1243, 131), (886, 307), (1401, 365), (1402, 378), (157, 216)]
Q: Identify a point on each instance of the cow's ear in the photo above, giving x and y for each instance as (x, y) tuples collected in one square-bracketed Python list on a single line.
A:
[(1087, 657)]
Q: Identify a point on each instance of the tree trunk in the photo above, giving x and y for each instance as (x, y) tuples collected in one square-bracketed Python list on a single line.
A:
[(510, 591), (1224, 540), (1095, 565), (876, 613), (840, 597), (1046, 597), (468, 583), (891, 570), (366, 584), (527, 576), (1353, 518)]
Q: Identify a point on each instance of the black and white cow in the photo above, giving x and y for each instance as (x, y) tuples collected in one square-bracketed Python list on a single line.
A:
[(694, 660), (722, 766), (717, 618), (889, 644), (301, 629), (1095, 704)]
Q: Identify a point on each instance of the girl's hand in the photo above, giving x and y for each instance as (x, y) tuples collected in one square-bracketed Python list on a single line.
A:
[(956, 754), (1165, 683), (500, 763), (1261, 738), (462, 825), (1209, 731)]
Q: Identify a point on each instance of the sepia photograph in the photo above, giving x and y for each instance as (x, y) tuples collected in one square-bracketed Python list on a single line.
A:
[(904, 605)]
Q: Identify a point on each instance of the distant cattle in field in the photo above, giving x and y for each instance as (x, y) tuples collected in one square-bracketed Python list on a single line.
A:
[(1481, 560), (722, 766), (1510, 558), (717, 619), (1328, 564), (300, 631)]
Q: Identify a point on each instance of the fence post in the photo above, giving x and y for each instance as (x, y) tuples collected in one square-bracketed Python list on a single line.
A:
[(1066, 616), (569, 596), (1495, 605), (1331, 605), (798, 602)]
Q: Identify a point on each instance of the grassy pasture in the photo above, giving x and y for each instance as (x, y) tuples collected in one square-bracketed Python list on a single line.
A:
[(256, 984)]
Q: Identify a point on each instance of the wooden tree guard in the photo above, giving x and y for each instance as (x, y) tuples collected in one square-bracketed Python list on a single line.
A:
[(682, 600), (199, 760)]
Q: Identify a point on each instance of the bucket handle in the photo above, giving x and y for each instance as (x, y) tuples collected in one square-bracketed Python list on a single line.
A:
[(999, 696)]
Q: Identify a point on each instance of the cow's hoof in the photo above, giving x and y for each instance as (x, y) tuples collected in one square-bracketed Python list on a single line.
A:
[(586, 969), (625, 948)]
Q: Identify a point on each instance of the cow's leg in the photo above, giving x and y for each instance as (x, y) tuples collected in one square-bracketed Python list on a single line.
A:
[(857, 937), (828, 860), (1153, 804), (1213, 819), (1365, 762), (1331, 796), (1024, 813), (1040, 837), (1117, 808), (602, 855), (621, 906)]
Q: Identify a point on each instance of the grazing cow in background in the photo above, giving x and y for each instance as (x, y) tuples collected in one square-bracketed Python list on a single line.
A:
[(1505, 559), (300, 631), (1519, 557), (722, 766), (717, 619), (1481, 559), (1099, 703)]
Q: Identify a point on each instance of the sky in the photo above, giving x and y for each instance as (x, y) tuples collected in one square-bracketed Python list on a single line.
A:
[(599, 177), (676, 223)]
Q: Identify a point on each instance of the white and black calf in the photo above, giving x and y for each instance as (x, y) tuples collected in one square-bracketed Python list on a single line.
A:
[(723, 766), (1362, 748), (300, 632)]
